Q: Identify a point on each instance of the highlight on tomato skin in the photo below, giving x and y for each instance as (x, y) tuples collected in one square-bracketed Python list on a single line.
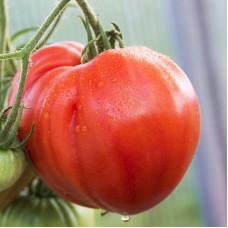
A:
[(116, 133)]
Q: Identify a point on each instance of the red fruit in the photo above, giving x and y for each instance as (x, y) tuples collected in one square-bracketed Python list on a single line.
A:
[(116, 133)]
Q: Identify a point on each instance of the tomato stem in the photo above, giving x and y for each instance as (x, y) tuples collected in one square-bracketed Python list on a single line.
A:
[(3, 34), (11, 124), (103, 40), (104, 37), (88, 12), (12, 63), (49, 33), (92, 48), (39, 189)]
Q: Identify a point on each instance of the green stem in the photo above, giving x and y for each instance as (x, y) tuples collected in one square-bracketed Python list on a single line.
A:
[(50, 32), (121, 43), (105, 39), (87, 10), (24, 54), (92, 52), (11, 61), (29, 47), (3, 33), (13, 113), (11, 55), (3, 28)]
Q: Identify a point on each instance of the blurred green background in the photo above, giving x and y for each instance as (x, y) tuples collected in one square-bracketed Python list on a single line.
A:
[(193, 34)]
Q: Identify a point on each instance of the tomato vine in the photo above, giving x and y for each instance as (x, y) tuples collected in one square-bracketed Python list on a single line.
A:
[(102, 41), (9, 128), (3, 30)]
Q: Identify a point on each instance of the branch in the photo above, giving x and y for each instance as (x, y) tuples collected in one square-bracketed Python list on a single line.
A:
[(24, 53), (3, 33), (30, 46), (87, 10)]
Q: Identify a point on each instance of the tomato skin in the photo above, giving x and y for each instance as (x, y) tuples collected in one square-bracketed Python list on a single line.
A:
[(116, 133), (33, 211), (12, 165), (37, 206)]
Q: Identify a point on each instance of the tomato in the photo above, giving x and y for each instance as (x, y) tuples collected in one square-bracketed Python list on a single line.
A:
[(44, 209), (116, 133), (12, 164), (34, 211)]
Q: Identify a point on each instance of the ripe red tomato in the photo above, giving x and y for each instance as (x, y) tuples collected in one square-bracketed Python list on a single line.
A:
[(117, 133)]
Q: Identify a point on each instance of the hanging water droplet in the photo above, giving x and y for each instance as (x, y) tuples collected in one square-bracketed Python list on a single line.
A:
[(125, 218)]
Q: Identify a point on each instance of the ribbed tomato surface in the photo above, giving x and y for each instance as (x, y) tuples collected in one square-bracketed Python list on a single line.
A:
[(116, 133)]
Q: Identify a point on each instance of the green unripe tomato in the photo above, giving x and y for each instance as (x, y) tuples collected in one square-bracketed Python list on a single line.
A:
[(12, 165), (30, 211), (39, 206)]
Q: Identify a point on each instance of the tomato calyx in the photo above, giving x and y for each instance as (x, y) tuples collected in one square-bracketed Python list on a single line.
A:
[(104, 40), (8, 134), (39, 189)]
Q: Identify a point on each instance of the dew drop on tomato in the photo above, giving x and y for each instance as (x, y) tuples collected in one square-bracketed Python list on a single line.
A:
[(78, 128), (79, 107), (46, 115), (84, 128), (100, 84), (114, 80)]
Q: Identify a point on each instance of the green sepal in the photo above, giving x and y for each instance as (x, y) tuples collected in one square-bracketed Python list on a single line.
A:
[(92, 52), (117, 28), (13, 131), (24, 142), (104, 37), (2, 115), (85, 51)]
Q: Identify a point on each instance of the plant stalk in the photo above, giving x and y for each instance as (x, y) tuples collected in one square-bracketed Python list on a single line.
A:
[(11, 61), (87, 10), (3, 39), (29, 47), (92, 18), (24, 54)]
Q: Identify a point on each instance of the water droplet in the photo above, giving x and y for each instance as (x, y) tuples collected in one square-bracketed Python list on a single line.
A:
[(84, 128), (79, 107), (114, 80), (46, 115), (125, 218), (78, 128), (100, 83), (30, 63)]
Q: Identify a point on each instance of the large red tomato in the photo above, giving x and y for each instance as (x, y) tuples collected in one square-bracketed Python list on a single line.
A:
[(116, 133)]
